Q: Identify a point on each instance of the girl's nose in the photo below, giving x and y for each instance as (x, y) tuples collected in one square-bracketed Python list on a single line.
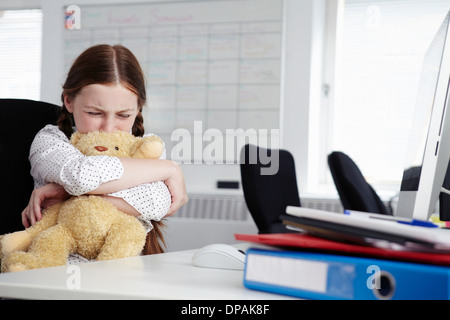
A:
[(108, 126)]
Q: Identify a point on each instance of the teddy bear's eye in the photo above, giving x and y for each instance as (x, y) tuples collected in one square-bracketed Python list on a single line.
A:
[(117, 148)]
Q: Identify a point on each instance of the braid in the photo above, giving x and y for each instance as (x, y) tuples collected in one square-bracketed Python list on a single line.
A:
[(65, 122), (138, 126)]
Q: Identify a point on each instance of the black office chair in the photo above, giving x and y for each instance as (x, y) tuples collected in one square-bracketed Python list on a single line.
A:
[(354, 191), (268, 195), (20, 121)]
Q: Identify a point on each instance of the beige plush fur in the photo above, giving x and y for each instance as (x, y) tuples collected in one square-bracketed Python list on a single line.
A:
[(87, 225)]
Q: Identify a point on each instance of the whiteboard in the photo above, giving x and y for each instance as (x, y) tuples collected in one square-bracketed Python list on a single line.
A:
[(203, 60)]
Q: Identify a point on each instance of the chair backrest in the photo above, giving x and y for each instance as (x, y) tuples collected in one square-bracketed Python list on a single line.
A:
[(354, 191), (20, 121), (267, 196)]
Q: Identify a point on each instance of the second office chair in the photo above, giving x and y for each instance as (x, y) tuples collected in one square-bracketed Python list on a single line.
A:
[(268, 195), (354, 191)]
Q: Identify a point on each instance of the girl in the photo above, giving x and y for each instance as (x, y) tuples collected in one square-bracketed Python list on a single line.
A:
[(104, 90)]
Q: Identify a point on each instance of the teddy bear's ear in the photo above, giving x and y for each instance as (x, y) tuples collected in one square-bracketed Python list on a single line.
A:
[(75, 137)]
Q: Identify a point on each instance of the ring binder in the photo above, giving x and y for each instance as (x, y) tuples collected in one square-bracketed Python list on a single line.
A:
[(327, 276)]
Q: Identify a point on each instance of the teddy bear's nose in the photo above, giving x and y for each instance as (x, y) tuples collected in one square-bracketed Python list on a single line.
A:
[(101, 148)]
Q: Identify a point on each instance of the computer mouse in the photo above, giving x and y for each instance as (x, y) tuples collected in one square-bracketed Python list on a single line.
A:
[(219, 256)]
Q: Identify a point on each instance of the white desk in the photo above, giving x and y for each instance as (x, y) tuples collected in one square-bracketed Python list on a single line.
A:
[(163, 276)]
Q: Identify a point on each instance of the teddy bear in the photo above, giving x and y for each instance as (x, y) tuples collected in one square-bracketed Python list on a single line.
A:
[(87, 225)]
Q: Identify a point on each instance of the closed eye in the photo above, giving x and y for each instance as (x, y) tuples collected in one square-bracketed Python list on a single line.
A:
[(94, 113)]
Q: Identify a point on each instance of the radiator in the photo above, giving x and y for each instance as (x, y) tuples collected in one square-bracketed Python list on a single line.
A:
[(207, 219), (233, 207), (325, 204)]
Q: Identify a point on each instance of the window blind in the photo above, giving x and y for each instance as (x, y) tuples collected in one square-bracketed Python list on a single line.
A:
[(20, 53), (382, 46)]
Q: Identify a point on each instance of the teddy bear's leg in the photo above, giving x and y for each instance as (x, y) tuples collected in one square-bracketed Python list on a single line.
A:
[(126, 238), (49, 219), (50, 248), (1, 239), (17, 241), (21, 240)]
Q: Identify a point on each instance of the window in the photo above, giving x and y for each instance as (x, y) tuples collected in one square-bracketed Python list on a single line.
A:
[(20, 54), (379, 51)]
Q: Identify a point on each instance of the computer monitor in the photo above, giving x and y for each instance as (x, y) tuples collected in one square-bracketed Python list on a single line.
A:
[(429, 149)]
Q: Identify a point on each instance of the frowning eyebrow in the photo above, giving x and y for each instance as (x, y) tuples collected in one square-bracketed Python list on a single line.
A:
[(98, 108)]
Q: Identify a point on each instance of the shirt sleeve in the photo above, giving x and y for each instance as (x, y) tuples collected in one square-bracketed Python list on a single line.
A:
[(54, 159), (151, 200)]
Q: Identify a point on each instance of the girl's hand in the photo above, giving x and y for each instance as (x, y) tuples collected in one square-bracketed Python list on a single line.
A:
[(42, 198), (177, 188)]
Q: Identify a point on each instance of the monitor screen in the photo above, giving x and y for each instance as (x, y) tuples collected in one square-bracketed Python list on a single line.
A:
[(424, 170)]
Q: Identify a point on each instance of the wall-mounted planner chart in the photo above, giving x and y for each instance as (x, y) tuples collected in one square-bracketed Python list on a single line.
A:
[(218, 62)]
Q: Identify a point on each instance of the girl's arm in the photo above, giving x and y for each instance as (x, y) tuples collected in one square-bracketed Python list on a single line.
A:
[(139, 171), (55, 159), (42, 198), (45, 196)]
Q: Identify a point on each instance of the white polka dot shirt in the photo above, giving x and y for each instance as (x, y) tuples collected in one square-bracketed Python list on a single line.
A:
[(54, 159)]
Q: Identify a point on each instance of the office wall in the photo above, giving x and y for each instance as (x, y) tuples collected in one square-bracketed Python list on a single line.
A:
[(299, 85)]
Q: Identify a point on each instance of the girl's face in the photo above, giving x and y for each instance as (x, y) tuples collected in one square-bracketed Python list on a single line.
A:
[(99, 107)]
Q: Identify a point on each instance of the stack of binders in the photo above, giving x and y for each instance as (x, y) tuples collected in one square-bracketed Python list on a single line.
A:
[(313, 267)]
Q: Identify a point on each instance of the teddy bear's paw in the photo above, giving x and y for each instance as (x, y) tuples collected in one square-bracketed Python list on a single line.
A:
[(1, 250), (17, 241), (150, 150), (16, 267), (16, 261)]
